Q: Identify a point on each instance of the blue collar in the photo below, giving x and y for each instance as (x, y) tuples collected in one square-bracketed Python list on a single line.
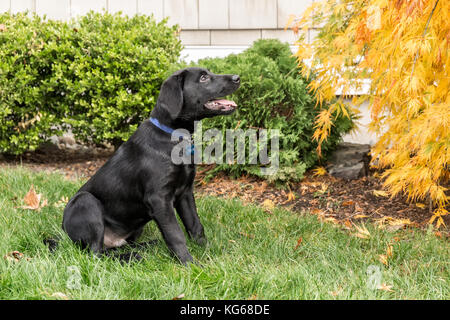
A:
[(161, 126), (190, 149)]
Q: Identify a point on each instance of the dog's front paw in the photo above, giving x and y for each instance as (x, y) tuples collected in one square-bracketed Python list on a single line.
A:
[(201, 240)]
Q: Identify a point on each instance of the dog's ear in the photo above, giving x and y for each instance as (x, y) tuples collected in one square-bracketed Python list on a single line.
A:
[(171, 95)]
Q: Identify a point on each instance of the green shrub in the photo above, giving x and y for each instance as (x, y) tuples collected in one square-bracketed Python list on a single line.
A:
[(98, 75), (273, 95)]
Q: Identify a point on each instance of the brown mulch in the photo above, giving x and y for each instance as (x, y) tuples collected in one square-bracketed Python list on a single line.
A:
[(326, 196)]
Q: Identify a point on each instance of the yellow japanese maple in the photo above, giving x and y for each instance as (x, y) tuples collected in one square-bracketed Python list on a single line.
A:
[(396, 52)]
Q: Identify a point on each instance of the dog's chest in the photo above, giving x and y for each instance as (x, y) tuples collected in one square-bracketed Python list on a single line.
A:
[(184, 178)]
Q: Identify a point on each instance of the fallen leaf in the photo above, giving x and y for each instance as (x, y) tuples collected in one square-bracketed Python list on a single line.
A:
[(385, 287), (320, 171), (362, 232), (383, 259), (336, 293), (420, 205), (330, 219), (62, 202), (390, 251), (15, 256), (380, 193), (360, 216), (179, 297), (291, 196), (32, 200), (268, 204), (60, 295), (299, 242), (317, 212), (348, 203), (348, 224), (392, 224)]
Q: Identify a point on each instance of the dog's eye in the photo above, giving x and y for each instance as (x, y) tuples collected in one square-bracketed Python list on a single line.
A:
[(204, 78)]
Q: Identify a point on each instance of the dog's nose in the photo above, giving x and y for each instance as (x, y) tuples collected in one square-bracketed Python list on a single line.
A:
[(236, 78)]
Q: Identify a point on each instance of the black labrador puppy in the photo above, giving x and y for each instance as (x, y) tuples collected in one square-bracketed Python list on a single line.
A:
[(140, 182)]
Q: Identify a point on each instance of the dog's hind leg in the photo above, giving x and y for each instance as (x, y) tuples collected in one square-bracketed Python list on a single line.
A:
[(83, 221)]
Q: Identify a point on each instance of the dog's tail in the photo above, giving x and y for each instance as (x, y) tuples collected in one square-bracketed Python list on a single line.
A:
[(51, 243)]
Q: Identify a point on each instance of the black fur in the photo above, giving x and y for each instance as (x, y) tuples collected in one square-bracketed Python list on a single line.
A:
[(139, 183)]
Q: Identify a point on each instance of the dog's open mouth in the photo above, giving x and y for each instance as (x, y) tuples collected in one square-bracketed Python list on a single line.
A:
[(221, 105)]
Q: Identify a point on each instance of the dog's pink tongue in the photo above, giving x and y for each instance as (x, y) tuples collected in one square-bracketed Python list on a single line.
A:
[(226, 102)]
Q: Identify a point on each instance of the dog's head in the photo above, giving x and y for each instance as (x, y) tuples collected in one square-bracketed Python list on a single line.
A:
[(195, 93)]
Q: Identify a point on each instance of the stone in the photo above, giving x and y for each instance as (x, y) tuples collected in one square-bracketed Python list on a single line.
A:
[(350, 161)]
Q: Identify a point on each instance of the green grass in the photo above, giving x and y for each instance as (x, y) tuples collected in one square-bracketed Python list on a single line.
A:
[(250, 253)]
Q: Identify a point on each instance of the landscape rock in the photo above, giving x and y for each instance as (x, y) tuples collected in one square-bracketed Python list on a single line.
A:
[(350, 161)]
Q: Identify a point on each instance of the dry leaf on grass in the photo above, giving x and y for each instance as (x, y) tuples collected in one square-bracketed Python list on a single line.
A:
[(362, 232), (32, 200), (268, 205), (336, 293), (385, 287), (299, 242), (60, 295), (15, 256), (392, 224), (62, 202), (179, 297), (384, 258), (347, 224)]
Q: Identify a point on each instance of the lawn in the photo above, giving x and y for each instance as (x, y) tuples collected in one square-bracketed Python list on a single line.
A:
[(251, 254)]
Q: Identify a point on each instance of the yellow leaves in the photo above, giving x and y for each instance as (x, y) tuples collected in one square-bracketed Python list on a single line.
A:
[(268, 205), (361, 232), (384, 258), (290, 196), (373, 18), (437, 215), (380, 193), (23, 125), (319, 171), (402, 48), (341, 41), (392, 224)]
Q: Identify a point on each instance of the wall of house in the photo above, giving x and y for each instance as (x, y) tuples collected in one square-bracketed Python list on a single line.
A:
[(202, 22)]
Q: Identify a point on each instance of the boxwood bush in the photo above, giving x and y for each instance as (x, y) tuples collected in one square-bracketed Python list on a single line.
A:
[(99, 75), (273, 95)]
